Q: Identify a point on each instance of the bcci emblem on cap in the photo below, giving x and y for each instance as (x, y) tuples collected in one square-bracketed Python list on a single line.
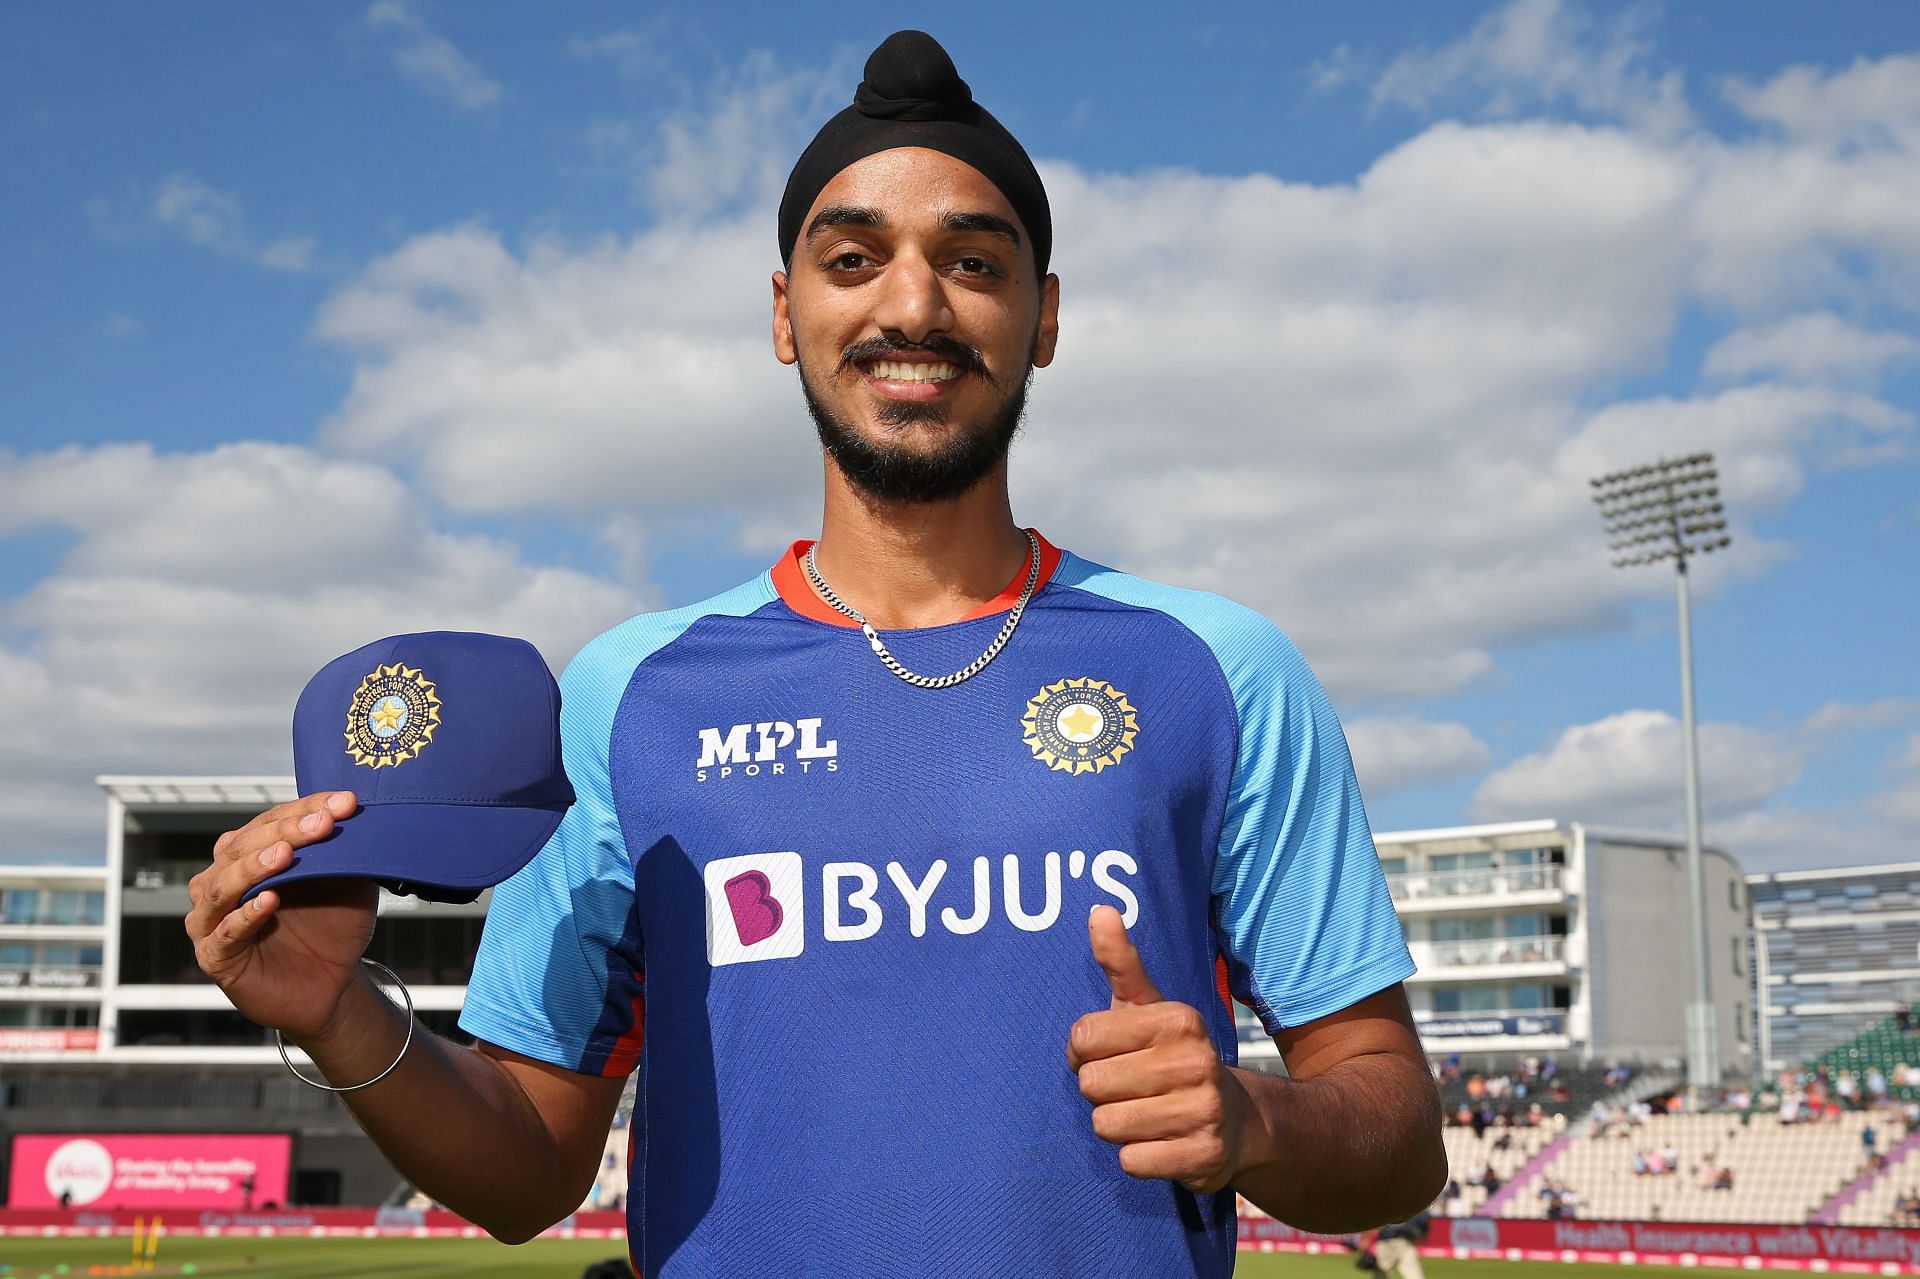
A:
[(392, 716), (1080, 725)]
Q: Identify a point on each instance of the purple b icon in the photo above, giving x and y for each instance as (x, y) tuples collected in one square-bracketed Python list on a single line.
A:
[(756, 915)]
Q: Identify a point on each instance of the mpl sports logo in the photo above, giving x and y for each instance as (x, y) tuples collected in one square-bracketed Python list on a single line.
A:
[(770, 748), (757, 903)]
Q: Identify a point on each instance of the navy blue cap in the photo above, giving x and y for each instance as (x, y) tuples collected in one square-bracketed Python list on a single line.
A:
[(451, 742)]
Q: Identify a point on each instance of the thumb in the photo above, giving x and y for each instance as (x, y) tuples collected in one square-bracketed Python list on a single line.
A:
[(1120, 959)]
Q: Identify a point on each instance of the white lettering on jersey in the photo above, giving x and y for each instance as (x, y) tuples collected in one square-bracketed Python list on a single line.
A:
[(756, 904), (982, 902), (916, 894), (755, 750), (1103, 867), (1010, 891), (830, 901)]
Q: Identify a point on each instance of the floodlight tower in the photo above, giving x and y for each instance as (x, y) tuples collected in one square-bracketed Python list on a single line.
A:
[(1670, 510)]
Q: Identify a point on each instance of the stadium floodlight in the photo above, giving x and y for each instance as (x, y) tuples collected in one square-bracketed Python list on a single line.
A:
[(1671, 510)]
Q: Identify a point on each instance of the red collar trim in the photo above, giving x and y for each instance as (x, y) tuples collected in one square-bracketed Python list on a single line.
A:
[(790, 580)]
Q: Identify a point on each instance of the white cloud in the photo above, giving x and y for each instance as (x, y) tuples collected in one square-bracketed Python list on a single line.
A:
[(1873, 103), (1391, 753), (1809, 347), (212, 219), (1864, 717), (1629, 770), (1534, 52), (431, 60), (638, 53), (1369, 409), (201, 592)]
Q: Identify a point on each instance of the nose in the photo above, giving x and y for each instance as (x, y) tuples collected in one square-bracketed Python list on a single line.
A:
[(913, 299)]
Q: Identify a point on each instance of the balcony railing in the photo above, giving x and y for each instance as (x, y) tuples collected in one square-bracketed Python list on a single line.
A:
[(1486, 882), (1492, 950)]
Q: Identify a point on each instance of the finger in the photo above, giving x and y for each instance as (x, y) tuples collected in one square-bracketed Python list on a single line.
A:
[(1199, 1163), (1120, 959), (237, 931), (222, 890), (1131, 1029), (306, 821), (279, 814), (1188, 1114), (1153, 1072)]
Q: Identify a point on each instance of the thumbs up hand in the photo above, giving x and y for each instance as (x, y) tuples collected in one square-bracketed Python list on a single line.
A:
[(1159, 1089)]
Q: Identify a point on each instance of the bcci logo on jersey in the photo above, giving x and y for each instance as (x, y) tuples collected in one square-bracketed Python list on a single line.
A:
[(757, 904), (769, 748), (1079, 725)]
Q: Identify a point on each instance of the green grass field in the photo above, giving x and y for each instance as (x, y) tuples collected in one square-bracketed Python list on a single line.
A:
[(550, 1259)]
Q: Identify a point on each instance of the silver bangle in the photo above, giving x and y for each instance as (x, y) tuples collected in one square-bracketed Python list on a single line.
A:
[(314, 1083)]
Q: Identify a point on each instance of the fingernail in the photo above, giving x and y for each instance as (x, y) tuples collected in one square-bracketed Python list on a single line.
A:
[(310, 823), (267, 855)]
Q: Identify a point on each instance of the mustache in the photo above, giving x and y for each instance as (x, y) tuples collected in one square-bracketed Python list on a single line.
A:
[(952, 350)]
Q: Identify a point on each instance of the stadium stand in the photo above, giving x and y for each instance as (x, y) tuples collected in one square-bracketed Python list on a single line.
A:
[(1546, 1090), (1888, 1049), (1727, 1167)]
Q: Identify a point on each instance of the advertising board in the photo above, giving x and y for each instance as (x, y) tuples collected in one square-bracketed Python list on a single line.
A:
[(149, 1170)]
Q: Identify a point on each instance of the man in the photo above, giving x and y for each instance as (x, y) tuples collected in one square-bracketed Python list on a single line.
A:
[(838, 830), (1395, 1249)]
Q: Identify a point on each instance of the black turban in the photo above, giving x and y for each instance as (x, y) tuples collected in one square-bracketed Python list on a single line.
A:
[(913, 97)]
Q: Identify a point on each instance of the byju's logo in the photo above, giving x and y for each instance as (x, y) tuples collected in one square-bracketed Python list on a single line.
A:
[(757, 909), (756, 906), (769, 748)]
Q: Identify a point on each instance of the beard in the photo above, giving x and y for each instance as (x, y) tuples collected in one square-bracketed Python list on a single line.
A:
[(891, 471)]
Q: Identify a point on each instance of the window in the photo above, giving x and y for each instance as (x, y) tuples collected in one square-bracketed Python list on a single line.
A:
[(1394, 865), (1526, 925), (1733, 893), (20, 905), (1739, 969), (93, 907), (65, 906)]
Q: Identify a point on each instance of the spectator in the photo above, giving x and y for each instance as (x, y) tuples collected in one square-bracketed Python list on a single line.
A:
[(1724, 1181), (1670, 1156), (1868, 1140), (1639, 1163)]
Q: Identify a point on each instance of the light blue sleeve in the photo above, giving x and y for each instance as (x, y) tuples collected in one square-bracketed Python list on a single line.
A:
[(560, 969), (1305, 918), (1302, 909)]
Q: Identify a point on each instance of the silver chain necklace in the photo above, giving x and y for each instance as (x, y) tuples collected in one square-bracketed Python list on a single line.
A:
[(966, 672)]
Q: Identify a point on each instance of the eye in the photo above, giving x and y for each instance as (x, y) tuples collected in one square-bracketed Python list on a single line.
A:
[(849, 261), (975, 265)]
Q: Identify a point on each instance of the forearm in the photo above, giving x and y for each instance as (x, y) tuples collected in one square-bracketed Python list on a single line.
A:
[(452, 1121), (1355, 1147)]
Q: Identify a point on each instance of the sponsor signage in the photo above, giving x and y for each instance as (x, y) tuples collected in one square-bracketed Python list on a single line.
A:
[(340, 1222), (16, 1040), (1830, 1249), (149, 1170), (1483, 1027), (48, 978)]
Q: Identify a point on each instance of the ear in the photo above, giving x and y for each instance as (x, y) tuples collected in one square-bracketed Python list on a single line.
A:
[(783, 348), (1047, 336)]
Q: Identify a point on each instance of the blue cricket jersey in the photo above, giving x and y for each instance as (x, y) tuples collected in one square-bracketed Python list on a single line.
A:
[(839, 922)]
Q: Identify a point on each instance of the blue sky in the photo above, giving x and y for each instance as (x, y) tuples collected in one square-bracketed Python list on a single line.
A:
[(332, 321)]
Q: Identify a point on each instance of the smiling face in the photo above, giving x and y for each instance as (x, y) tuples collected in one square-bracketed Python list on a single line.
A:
[(914, 312)]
